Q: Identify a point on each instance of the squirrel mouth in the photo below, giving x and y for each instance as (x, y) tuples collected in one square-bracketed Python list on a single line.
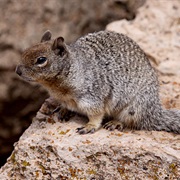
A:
[(27, 79), (21, 74)]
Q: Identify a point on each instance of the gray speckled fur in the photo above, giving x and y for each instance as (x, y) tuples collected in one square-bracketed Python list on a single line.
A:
[(115, 68)]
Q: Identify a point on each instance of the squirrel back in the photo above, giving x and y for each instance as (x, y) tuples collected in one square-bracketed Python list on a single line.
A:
[(103, 74)]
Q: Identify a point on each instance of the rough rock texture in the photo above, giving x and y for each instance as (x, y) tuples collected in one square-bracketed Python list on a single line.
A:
[(53, 150), (22, 23)]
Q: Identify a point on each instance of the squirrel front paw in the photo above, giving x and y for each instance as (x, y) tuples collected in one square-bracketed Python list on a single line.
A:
[(51, 108), (64, 114)]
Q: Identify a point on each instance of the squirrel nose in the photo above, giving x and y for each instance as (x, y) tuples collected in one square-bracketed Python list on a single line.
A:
[(18, 71)]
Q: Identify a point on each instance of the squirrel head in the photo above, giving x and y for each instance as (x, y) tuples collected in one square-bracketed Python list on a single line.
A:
[(45, 60)]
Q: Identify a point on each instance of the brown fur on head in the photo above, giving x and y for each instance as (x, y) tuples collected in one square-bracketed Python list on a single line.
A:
[(39, 62)]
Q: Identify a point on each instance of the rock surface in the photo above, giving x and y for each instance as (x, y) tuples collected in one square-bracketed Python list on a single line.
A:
[(52, 150)]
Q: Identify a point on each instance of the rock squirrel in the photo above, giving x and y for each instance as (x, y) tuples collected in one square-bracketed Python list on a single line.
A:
[(103, 74)]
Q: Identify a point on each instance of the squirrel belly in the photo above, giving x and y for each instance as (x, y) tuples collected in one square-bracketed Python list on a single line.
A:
[(103, 74)]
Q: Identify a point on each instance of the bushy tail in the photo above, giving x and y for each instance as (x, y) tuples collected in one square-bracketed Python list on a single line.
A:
[(168, 120)]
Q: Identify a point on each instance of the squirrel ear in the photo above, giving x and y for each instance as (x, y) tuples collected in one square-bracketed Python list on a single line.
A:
[(46, 36), (59, 46)]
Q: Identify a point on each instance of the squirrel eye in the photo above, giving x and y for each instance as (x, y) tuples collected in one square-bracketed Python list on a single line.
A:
[(41, 61)]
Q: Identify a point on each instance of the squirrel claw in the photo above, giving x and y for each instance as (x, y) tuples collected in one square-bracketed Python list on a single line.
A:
[(85, 130), (57, 109), (112, 125)]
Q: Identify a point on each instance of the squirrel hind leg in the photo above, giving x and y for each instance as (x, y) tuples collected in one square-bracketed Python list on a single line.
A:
[(128, 118)]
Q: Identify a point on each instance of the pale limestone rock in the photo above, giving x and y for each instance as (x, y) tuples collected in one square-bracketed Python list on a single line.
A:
[(156, 29), (52, 150)]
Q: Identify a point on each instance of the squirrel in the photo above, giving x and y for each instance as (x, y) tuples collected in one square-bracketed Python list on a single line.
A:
[(102, 74)]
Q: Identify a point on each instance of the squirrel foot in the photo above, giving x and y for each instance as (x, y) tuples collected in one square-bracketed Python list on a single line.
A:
[(112, 125), (88, 128), (64, 114), (51, 107), (93, 124)]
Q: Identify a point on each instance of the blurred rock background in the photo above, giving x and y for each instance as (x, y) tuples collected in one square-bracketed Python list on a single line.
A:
[(22, 22)]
